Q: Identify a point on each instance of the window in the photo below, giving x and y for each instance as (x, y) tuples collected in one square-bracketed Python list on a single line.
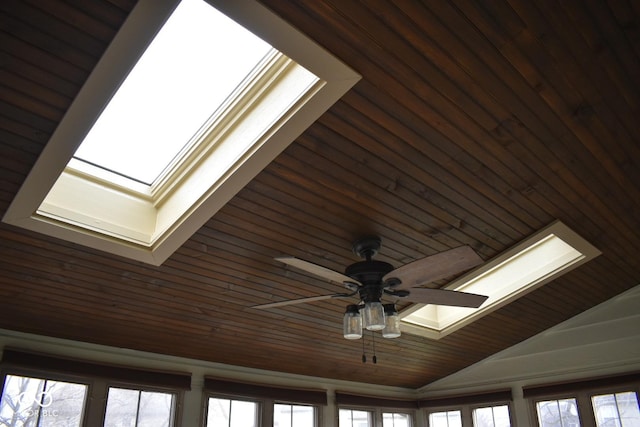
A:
[(49, 391), (558, 413), (171, 92), (395, 419), (293, 415), (616, 410), (36, 402), (219, 140), (353, 418), (445, 419), (231, 413), (491, 416), (137, 408), (553, 251)]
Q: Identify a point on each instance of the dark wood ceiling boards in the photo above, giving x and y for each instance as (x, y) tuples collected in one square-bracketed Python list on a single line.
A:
[(475, 123)]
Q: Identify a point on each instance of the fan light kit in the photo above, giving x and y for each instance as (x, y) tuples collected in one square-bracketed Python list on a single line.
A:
[(371, 280)]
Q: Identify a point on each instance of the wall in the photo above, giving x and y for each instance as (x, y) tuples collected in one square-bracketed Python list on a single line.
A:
[(602, 341)]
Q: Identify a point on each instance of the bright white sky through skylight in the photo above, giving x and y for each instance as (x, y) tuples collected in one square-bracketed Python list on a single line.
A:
[(194, 63)]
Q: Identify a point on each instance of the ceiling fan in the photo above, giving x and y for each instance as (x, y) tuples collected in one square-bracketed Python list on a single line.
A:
[(371, 280)]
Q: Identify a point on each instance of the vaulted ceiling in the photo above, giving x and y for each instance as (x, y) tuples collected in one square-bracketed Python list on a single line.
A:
[(475, 123)]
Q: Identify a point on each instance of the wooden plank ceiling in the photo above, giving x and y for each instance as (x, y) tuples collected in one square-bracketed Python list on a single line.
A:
[(475, 123)]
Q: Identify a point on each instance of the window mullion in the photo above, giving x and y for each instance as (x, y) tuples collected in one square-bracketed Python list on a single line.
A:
[(615, 401), (41, 394), (560, 413), (138, 407)]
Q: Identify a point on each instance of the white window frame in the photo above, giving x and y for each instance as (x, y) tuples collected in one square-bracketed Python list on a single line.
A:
[(493, 405), (259, 402), (316, 410), (97, 391), (619, 417), (465, 414), (265, 407), (466, 411), (583, 399), (411, 414), (536, 418), (47, 377), (376, 413), (177, 397), (356, 408)]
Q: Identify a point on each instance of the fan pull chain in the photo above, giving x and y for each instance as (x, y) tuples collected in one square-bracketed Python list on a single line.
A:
[(364, 355), (373, 341)]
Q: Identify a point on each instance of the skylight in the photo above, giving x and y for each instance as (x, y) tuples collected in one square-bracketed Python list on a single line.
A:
[(541, 258), (190, 68), (167, 142)]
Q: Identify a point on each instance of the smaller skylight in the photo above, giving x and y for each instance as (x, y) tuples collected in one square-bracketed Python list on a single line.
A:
[(543, 257), (192, 66)]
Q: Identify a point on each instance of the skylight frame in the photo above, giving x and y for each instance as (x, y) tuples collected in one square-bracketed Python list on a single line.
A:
[(436, 322), (334, 79)]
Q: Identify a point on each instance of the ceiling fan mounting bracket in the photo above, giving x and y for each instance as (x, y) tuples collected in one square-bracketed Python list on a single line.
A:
[(367, 247)]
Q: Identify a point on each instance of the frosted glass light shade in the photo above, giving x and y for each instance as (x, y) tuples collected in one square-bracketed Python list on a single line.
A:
[(373, 316), (352, 323), (391, 322)]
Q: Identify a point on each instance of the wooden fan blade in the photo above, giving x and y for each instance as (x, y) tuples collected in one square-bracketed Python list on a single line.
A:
[(435, 267), (316, 270), (445, 297), (296, 301)]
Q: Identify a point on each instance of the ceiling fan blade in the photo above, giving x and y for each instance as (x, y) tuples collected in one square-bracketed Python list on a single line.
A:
[(445, 297), (296, 301), (316, 270), (434, 267)]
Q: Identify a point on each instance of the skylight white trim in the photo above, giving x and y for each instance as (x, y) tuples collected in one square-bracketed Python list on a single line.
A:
[(548, 254), (160, 222)]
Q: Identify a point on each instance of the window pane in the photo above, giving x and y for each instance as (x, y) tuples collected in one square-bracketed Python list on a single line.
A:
[(395, 420), (293, 416), (243, 414), (136, 408), (31, 402), (616, 410), (282, 415), (122, 408), (156, 409), (218, 412), (558, 413), (492, 416), (445, 419), (67, 404), (231, 413), (351, 418)]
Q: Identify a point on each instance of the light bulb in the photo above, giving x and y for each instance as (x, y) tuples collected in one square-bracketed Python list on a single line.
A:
[(391, 322), (352, 323), (373, 316)]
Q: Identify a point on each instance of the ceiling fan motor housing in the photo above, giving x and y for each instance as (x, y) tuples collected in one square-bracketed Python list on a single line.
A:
[(369, 274)]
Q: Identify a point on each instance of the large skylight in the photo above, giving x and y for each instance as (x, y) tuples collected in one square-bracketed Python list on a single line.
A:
[(544, 256), (199, 57), (166, 143)]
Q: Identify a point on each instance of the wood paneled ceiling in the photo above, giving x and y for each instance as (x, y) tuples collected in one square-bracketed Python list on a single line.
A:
[(475, 123)]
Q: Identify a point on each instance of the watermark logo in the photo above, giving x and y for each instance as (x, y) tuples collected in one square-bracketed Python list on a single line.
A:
[(41, 399)]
